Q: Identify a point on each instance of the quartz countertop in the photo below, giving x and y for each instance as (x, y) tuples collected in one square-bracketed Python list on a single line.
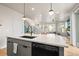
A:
[(49, 39)]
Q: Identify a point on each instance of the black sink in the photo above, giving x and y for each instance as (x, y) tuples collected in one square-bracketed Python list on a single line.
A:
[(30, 37)]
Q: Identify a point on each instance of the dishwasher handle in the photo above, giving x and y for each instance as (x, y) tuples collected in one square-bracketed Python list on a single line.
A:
[(26, 46)]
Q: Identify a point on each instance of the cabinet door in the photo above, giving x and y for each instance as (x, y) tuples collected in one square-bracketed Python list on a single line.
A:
[(23, 47), (24, 50), (9, 48)]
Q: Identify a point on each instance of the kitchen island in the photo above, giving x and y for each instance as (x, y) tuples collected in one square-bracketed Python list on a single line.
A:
[(40, 45)]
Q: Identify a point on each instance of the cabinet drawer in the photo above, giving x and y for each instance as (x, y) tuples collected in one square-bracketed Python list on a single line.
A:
[(47, 47), (18, 41), (25, 43)]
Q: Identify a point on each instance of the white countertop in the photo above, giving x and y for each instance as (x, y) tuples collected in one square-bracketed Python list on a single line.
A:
[(49, 39)]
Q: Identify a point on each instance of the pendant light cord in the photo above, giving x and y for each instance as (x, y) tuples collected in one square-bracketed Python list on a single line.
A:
[(51, 6), (24, 9)]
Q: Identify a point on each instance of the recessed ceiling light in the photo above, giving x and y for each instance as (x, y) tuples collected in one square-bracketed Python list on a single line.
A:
[(33, 9), (40, 15)]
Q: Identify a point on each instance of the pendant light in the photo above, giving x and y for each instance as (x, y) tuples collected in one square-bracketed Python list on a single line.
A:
[(51, 11), (24, 17)]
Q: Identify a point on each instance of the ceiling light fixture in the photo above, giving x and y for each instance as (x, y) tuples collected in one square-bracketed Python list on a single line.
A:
[(51, 11), (24, 17), (33, 9)]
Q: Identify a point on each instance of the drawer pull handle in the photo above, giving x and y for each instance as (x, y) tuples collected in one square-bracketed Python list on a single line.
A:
[(10, 42), (24, 46)]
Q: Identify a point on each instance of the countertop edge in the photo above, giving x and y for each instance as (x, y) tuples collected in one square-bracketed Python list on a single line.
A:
[(36, 41)]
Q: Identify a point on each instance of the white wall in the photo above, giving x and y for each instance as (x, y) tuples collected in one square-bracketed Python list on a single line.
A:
[(74, 25), (11, 24), (73, 28), (77, 29)]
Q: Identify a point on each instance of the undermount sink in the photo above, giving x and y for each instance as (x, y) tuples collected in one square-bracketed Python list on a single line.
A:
[(30, 37)]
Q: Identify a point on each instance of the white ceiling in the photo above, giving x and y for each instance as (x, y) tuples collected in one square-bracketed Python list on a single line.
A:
[(41, 10)]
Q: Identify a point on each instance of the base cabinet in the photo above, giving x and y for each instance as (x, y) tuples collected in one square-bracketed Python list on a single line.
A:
[(9, 48), (25, 48)]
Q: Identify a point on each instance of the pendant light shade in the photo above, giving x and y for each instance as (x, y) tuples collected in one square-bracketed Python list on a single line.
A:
[(24, 17), (51, 11)]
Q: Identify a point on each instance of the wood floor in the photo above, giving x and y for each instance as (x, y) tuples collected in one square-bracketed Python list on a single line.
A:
[(3, 52), (71, 51)]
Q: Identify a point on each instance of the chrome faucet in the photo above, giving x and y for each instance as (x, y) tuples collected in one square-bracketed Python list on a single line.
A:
[(31, 29)]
